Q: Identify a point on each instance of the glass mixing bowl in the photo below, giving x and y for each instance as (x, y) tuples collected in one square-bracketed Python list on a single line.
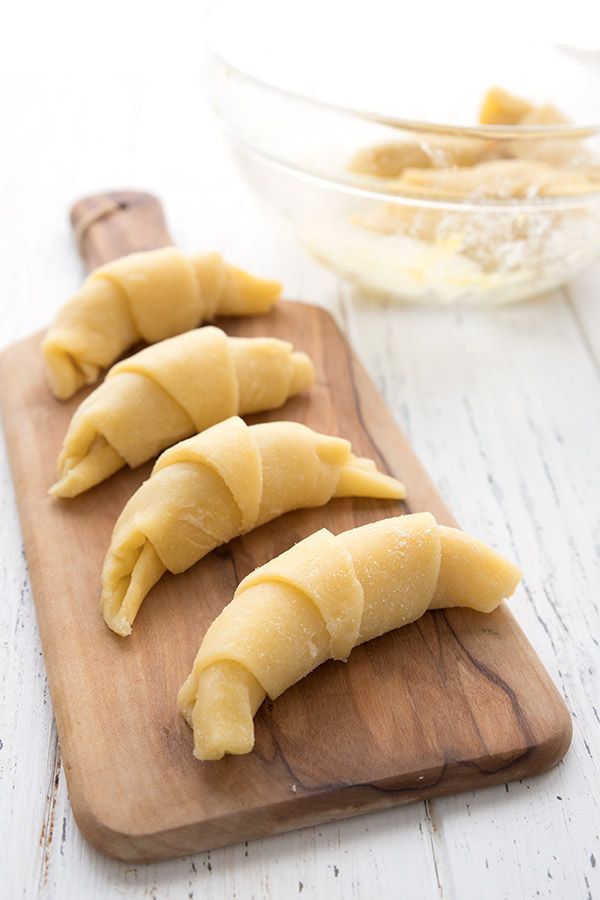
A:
[(364, 139)]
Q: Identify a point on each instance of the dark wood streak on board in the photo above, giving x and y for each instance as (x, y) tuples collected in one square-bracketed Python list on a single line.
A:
[(494, 678), (423, 711)]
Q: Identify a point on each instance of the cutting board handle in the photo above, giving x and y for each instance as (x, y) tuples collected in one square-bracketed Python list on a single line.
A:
[(113, 224)]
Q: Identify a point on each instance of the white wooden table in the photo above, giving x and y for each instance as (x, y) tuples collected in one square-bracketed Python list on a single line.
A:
[(502, 405)]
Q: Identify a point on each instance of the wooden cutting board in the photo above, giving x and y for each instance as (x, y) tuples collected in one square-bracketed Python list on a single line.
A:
[(453, 702)]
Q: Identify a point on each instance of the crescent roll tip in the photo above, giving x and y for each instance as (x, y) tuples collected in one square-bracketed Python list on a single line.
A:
[(236, 291), (359, 477), (252, 294), (65, 374), (491, 579), (125, 584), (221, 710), (79, 475), (303, 373)]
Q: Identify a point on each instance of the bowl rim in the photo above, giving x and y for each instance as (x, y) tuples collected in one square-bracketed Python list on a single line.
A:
[(486, 204), (489, 132), (370, 191)]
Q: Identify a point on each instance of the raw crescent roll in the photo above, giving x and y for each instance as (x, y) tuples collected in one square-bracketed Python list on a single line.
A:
[(316, 602), (170, 391), (501, 108), (430, 151), (220, 484), (144, 297), (499, 179)]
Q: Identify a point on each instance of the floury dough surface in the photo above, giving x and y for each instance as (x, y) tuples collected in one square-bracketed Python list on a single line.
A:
[(318, 601), (218, 485), (148, 297), (170, 391)]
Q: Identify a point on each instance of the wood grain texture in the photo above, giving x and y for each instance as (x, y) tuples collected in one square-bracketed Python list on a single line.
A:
[(455, 701)]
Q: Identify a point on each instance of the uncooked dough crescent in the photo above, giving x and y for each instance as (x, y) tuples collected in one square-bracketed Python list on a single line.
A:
[(146, 297), (316, 602), (170, 391), (220, 484)]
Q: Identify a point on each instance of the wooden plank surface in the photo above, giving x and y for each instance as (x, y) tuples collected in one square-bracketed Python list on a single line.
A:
[(455, 701)]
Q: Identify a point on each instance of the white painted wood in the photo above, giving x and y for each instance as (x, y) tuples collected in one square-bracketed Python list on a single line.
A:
[(502, 405), (505, 406)]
